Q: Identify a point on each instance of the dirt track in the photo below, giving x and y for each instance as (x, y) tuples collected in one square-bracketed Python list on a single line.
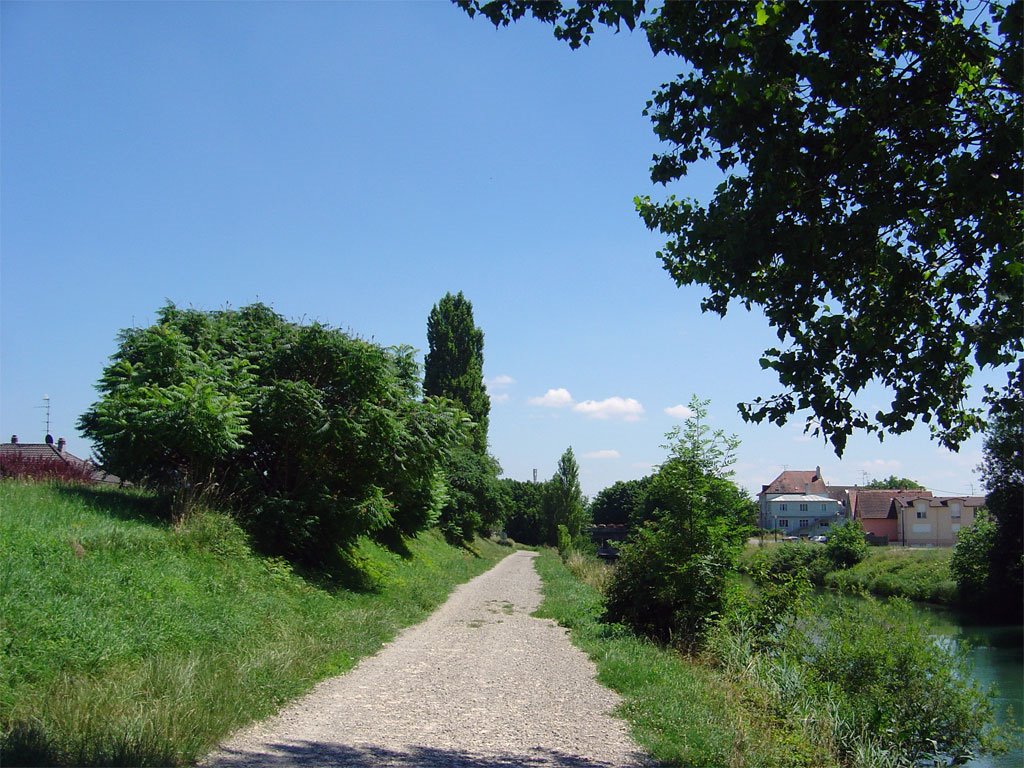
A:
[(480, 684)]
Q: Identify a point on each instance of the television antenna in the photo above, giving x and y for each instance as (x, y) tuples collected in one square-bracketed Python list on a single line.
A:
[(46, 406)]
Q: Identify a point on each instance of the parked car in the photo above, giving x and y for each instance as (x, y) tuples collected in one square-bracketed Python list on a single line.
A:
[(819, 539), (791, 538)]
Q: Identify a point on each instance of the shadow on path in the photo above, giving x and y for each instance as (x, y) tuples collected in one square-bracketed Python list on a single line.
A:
[(313, 753)]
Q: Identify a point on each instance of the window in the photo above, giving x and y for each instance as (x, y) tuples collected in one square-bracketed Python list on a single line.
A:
[(782, 507), (955, 507), (804, 523), (922, 514), (783, 522), (824, 508), (803, 507), (823, 523)]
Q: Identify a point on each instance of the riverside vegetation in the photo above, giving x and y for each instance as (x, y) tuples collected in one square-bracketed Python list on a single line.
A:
[(763, 673), (129, 640)]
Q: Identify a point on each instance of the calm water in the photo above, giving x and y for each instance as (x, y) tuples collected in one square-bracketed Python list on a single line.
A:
[(997, 653)]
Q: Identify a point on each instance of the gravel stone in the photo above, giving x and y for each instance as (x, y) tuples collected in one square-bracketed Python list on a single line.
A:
[(480, 684)]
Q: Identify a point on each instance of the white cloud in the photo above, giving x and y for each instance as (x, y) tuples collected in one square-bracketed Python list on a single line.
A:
[(553, 398), (679, 412), (499, 381), (501, 398), (608, 453), (625, 408)]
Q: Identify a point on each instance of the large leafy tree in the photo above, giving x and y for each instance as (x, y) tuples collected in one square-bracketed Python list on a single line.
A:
[(524, 510), (1002, 471), (618, 503), (454, 365), (894, 482), (871, 202), (312, 436)]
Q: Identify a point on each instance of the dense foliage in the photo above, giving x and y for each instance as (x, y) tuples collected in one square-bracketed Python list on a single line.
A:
[(474, 502), (618, 504), (312, 436), (524, 511), (846, 545), (892, 481), (671, 577), (871, 203), (454, 364), (867, 680), (453, 369), (1002, 471)]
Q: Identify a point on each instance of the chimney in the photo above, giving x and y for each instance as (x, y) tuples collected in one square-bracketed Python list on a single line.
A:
[(60, 445), (14, 439)]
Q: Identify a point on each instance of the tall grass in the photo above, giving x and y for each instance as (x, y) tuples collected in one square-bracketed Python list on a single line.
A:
[(128, 641), (682, 711), (917, 574)]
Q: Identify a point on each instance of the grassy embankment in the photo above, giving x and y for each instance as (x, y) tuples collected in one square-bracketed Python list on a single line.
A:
[(127, 641), (684, 712), (917, 574)]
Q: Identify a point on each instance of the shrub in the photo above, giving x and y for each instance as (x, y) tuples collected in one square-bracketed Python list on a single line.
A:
[(846, 545), (972, 556), (771, 563), (312, 436), (564, 541), (671, 579)]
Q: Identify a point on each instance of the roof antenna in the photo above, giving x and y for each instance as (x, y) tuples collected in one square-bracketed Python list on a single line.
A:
[(46, 405)]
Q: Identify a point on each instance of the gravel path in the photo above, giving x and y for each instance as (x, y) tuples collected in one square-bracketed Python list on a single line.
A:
[(480, 684)]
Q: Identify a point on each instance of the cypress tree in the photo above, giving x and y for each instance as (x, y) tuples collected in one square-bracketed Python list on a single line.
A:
[(454, 364)]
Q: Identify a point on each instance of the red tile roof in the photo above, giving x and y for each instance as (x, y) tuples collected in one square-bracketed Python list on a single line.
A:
[(797, 481), (878, 504)]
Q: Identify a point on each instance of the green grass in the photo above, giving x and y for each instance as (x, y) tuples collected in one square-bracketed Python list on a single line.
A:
[(127, 641), (682, 711), (918, 574)]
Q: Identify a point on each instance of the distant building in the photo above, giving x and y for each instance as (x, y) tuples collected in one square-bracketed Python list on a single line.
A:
[(42, 454), (798, 503), (926, 520)]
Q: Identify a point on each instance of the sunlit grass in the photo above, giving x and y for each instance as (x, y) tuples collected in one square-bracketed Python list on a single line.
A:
[(681, 711), (128, 641)]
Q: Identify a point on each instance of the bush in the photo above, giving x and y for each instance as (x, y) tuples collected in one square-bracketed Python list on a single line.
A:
[(564, 541), (866, 680), (972, 556), (671, 579), (772, 562), (312, 436), (846, 545)]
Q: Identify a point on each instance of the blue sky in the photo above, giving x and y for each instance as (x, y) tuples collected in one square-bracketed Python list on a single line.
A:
[(350, 163)]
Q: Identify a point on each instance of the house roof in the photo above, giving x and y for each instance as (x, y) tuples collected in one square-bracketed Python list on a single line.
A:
[(797, 481), (50, 452), (943, 501), (802, 497), (39, 451), (878, 504)]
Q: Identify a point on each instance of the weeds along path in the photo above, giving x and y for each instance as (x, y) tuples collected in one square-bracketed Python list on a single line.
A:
[(480, 684)]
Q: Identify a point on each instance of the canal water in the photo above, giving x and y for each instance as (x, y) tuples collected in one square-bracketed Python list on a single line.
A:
[(997, 656)]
